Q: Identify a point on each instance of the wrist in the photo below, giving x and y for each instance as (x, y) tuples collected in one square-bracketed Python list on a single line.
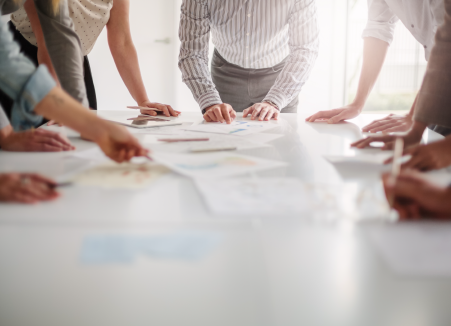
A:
[(274, 105), (5, 133)]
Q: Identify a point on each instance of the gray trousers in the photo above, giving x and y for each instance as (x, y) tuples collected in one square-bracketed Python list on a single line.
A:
[(64, 48), (241, 87)]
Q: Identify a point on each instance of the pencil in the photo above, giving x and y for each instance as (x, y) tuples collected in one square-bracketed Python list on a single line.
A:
[(396, 166)]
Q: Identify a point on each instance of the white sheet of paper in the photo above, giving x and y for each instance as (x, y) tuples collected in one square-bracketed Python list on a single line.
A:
[(263, 137), (415, 249), (375, 158), (126, 175), (93, 154), (238, 127), (278, 196), (215, 165), (215, 141)]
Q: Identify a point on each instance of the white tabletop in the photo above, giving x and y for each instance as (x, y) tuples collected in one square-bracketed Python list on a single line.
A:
[(266, 271)]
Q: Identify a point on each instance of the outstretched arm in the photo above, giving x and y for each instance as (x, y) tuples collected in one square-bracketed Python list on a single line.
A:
[(126, 58), (374, 53)]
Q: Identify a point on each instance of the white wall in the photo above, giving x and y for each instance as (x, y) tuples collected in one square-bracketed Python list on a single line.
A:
[(155, 19)]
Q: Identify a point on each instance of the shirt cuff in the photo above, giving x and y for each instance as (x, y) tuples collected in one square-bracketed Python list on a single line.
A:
[(209, 99), (380, 31), (277, 99), (4, 121), (34, 91)]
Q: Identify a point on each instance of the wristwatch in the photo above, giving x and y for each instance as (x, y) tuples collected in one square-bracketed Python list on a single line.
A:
[(272, 104)]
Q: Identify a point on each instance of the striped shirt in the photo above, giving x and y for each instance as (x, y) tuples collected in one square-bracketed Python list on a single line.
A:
[(253, 34)]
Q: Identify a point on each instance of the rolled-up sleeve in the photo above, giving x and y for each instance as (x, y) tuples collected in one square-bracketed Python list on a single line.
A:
[(381, 21), (21, 81)]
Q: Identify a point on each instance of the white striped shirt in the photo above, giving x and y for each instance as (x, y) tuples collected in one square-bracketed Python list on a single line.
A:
[(253, 34)]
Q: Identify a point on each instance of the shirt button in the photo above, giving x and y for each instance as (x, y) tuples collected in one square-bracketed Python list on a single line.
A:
[(425, 47), (413, 26), (248, 15), (247, 34)]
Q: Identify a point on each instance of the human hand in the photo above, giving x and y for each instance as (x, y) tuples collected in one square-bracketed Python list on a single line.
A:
[(416, 198), (39, 140), (26, 188), (410, 139), (336, 115), (391, 123), (428, 157), (117, 143), (220, 113), (166, 110), (264, 111), (54, 123)]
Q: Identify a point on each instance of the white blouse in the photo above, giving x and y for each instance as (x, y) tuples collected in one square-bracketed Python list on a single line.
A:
[(89, 17)]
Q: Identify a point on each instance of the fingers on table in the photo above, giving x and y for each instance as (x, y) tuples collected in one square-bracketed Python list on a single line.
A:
[(322, 115), (226, 114), (149, 112)]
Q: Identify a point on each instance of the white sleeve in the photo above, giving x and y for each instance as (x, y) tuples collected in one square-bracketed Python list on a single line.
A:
[(381, 21)]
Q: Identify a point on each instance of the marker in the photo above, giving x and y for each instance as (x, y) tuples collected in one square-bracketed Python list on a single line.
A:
[(396, 166), (213, 149), (178, 140)]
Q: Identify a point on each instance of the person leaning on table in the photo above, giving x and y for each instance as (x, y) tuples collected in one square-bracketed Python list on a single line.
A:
[(62, 44), (421, 18), (264, 52), (89, 18), (433, 107), (414, 197), (35, 95)]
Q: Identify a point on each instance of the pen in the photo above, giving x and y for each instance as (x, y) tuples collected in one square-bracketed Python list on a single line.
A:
[(396, 166)]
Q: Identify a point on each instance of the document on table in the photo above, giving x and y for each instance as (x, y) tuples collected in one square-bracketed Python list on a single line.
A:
[(278, 196), (415, 249), (93, 154), (378, 157), (120, 249), (215, 165), (214, 141), (125, 175), (238, 127)]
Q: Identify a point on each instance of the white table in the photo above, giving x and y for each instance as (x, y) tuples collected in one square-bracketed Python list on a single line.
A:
[(272, 271)]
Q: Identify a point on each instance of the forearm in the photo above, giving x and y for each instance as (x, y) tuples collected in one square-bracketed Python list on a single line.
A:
[(59, 106), (193, 59), (374, 54), (127, 63)]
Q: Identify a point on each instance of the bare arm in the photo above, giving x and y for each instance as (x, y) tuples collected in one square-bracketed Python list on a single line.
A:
[(43, 54), (374, 53), (126, 58)]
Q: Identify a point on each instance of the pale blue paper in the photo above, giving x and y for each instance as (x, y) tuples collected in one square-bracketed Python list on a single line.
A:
[(123, 249)]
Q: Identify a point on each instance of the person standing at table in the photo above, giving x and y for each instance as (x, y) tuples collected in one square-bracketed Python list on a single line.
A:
[(90, 17), (433, 107), (421, 18), (36, 94), (264, 52)]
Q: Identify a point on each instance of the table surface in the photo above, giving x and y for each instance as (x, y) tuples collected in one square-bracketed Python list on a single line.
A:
[(266, 271)]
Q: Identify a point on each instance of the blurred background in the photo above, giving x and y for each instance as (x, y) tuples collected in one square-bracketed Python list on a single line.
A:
[(333, 81)]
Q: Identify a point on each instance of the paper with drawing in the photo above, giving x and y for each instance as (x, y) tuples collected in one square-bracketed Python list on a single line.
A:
[(215, 165)]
